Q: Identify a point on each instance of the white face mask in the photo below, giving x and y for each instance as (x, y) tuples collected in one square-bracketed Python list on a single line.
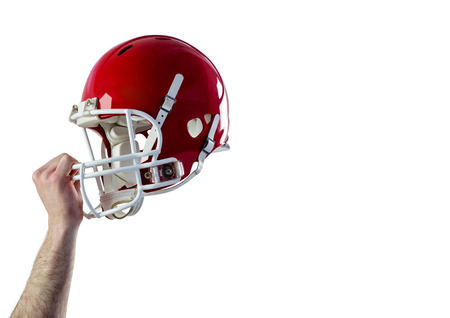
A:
[(118, 174)]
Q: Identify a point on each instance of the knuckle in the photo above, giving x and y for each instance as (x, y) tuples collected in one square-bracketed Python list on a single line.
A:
[(65, 157), (36, 175)]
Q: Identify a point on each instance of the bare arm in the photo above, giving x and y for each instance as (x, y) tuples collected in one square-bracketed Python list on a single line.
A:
[(47, 290)]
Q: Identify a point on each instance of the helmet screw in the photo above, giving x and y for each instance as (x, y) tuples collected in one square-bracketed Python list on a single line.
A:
[(167, 171)]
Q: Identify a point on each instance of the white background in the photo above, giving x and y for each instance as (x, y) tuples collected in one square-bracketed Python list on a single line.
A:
[(333, 202)]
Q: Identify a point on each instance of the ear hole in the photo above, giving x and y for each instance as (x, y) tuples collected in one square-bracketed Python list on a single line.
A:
[(207, 118), (195, 127)]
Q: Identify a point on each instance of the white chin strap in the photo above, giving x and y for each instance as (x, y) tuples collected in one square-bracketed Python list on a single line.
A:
[(119, 182)]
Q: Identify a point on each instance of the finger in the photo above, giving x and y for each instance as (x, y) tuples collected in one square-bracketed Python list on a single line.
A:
[(77, 186), (74, 172), (49, 167), (64, 166)]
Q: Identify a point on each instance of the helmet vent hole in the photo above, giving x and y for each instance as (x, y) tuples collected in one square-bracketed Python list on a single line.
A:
[(207, 118), (124, 50), (163, 39), (195, 127)]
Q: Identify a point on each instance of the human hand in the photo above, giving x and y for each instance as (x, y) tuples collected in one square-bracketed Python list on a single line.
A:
[(60, 195)]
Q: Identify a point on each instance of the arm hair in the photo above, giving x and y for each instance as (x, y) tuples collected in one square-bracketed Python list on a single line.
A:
[(47, 290)]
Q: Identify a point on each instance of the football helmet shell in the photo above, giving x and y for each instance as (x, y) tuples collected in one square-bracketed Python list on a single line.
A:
[(169, 92)]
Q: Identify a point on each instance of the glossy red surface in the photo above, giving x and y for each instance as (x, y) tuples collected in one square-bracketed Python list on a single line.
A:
[(137, 75)]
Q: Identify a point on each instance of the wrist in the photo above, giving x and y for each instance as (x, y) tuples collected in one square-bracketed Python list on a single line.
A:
[(64, 220), (62, 230)]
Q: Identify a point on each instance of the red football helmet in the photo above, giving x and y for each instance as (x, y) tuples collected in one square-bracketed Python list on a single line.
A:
[(165, 90)]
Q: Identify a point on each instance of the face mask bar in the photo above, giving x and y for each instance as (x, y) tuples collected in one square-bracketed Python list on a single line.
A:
[(157, 170)]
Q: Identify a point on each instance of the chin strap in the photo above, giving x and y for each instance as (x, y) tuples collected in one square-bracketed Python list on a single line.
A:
[(114, 199), (164, 110), (209, 144)]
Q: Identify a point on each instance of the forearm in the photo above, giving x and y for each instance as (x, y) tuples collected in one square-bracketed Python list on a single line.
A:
[(47, 289)]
